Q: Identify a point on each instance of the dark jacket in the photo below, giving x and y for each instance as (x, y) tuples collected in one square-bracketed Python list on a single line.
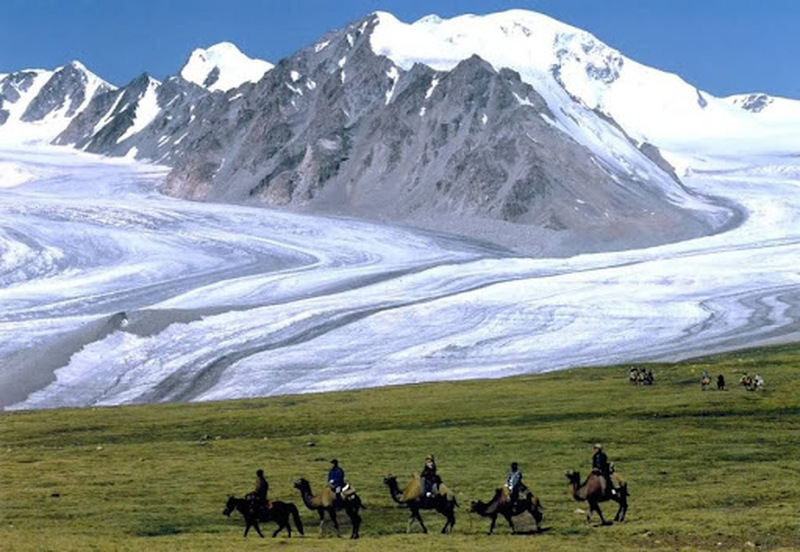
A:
[(261, 489), (429, 473), (600, 462), (336, 477)]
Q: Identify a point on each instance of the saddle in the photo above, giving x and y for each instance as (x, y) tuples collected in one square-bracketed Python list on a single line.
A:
[(262, 508)]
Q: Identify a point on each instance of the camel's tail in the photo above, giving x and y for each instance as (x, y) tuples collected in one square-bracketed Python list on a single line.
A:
[(296, 517)]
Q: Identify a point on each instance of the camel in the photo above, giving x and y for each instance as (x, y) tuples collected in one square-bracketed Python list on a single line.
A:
[(501, 504), (705, 382), (327, 502), (444, 503), (594, 491)]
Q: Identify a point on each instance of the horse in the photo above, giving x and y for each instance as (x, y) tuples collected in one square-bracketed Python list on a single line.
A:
[(443, 503), (278, 512), (594, 491), (501, 504), (327, 502)]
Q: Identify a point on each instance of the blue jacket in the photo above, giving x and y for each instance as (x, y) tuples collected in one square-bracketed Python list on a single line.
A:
[(336, 477)]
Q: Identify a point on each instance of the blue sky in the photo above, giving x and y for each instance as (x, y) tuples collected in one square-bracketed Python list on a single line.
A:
[(722, 46)]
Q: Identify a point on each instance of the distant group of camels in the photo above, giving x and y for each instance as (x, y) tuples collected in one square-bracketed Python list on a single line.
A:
[(593, 490)]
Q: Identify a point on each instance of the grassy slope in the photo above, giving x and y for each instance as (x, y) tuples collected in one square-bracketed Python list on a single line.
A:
[(707, 470)]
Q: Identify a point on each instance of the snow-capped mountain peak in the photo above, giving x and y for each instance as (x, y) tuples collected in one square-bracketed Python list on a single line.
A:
[(651, 105), (37, 105), (222, 67)]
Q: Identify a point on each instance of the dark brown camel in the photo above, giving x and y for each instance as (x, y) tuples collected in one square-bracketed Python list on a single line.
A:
[(502, 505), (445, 504), (594, 491), (327, 502)]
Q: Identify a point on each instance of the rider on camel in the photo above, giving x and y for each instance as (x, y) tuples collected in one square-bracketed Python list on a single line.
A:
[(514, 482), (430, 480), (601, 466), (336, 479)]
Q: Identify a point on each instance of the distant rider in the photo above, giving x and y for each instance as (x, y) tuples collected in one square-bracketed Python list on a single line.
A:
[(600, 465), (514, 482), (258, 498), (429, 477), (336, 479)]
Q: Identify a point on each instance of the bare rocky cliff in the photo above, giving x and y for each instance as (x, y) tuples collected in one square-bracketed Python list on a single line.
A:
[(336, 128)]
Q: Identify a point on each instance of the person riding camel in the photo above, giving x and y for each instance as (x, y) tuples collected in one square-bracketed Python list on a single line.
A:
[(514, 482), (336, 479), (258, 498), (601, 466), (430, 480)]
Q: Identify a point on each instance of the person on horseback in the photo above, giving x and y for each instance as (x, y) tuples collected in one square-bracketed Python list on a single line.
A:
[(600, 465), (258, 498), (514, 482), (336, 479), (430, 479)]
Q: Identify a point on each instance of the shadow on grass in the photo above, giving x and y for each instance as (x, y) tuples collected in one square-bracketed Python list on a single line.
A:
[(161, 531)]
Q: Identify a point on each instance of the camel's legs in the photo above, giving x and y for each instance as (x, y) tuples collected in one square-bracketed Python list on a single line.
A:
[(321, 522), (510, 523), (595, 506), (332, 513), (415, 515), (491, 525)]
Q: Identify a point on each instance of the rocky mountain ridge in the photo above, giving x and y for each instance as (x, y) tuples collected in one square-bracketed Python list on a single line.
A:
[(351, 125)]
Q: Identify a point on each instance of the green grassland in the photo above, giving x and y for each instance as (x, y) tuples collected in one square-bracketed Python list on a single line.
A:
[(707, 470)]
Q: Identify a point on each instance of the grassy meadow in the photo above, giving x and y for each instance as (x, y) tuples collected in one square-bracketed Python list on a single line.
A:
[(707, 470)]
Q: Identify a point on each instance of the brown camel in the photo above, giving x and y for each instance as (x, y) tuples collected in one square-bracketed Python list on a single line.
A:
[(326, 502), (443, 503), (501, 504), (594, 491)]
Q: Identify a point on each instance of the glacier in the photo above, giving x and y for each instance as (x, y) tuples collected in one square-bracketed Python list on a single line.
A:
[(112, 293)]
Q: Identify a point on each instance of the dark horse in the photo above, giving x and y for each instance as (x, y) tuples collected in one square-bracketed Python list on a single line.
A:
[(279, 512), (443, 503), (502, 505), (327, 502)]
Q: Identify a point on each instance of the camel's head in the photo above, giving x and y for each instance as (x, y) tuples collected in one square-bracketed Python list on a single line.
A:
[(302, 484), (573, 476), (390, 480), (476, 506)]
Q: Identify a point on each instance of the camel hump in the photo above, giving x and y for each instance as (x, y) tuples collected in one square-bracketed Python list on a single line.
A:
[(413, 490), (327, 497)]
